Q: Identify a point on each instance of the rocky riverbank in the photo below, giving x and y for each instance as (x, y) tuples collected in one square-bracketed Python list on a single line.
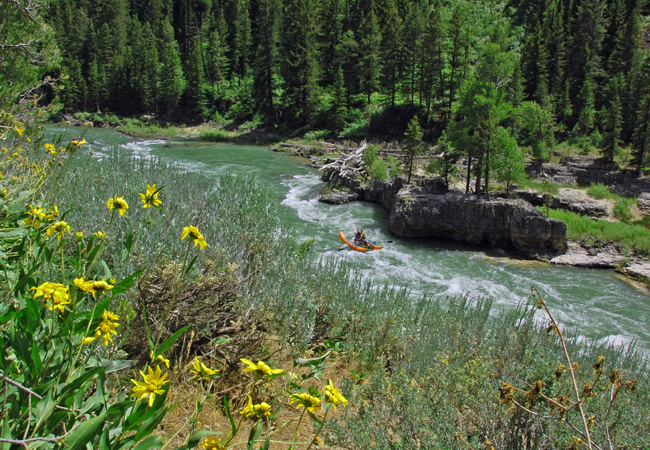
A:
[(427, 209)]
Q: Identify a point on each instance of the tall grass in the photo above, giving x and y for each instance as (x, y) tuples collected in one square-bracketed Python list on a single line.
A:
[(581, 227)]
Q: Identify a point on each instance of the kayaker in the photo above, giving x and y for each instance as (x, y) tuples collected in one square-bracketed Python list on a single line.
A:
[(360, 239)]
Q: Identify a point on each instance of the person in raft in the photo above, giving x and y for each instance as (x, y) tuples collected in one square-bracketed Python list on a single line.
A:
[(360, 239)]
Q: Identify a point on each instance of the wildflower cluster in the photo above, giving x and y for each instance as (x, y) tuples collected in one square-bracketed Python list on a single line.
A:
[(310, 402)]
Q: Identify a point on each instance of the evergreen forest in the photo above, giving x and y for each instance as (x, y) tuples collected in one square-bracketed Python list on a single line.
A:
[(488, 72)]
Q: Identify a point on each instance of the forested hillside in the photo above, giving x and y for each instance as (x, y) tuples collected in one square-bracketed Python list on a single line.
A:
[(540, 70)]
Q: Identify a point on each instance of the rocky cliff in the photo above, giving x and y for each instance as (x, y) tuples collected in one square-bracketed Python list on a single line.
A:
[(495, 222)]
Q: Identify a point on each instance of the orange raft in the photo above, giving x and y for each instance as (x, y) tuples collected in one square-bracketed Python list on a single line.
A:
[(358, 248)]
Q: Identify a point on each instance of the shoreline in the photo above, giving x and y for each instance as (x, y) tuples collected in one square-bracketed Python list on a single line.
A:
[(632, 268)]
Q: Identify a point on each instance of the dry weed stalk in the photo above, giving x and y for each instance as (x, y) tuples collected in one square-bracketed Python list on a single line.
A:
[(561, 406)]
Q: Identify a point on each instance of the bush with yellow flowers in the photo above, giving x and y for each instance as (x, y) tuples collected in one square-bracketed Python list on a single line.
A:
[(58, 323)]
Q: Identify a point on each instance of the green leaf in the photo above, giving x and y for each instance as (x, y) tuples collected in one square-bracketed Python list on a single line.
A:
[(229, 414), (256, 432), (189, 266), (169, 342), (129, 242), (126, 283), (5, 434), (115, 365), (107, 270), (84, 433), (146, 326), (149, 442), (316, 420), (152, 423)]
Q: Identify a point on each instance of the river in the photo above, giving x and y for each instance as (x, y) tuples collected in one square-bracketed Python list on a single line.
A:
[(597, 303)]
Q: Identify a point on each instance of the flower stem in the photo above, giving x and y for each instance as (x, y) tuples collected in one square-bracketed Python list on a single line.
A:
[(295, 432), (320, 428)]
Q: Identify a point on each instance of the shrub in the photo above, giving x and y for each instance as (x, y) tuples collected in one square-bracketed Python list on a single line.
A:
[(378, 170), (599, 191)]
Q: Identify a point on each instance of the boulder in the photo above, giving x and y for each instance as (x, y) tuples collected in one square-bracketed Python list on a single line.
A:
[(510, 224)]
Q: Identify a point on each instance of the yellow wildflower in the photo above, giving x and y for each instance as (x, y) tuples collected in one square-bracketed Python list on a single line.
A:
[(160, 358), (118, 203), (4, 192), (88, 340), (101, 235), (93, 286), (259, 409), (201, 371), (212, 443), (55, 292), (53, 213), (150, 197), (151, 385), (50, 148), (34, 216), (333, 395), (79, 235), (107, 327), (58, 228), (19, 130), (78, 142), (308, 401), (261, 368), (195, 235)]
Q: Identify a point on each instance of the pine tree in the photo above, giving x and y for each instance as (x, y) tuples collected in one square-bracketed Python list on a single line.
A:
[(641, 137), (391, 51), (339, 109), (370, 41), (332, 14), (413, 145), (216, 61), (149, 70), (458, 43), (433, 81), (413, 30), (194, 99), (171, 81), (266, 22), (613, 121), (300, 70)]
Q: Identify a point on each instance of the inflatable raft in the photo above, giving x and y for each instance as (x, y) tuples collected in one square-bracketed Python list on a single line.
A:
[(356, 247)]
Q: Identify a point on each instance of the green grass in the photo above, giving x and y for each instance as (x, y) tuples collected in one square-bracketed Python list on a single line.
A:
[(581, 227), (599, 191), (218, 136)]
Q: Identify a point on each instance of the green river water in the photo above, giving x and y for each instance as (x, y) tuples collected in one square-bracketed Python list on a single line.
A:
[(597, 303)]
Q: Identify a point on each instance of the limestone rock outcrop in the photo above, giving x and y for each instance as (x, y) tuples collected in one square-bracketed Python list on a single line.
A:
[(496, 222)]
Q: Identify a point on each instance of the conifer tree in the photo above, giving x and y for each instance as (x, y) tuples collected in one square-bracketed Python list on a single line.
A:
[(369, 44), (194, 98), (300, 70), (172, 82), (414, 145), (433, 81), (413, 30), (641, 137), (391, 51), (339, 109), (458, 43), (216, 61), (266, 22), (332, 14)]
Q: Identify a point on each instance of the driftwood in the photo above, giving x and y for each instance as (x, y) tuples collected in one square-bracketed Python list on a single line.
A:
[(347, 162)]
